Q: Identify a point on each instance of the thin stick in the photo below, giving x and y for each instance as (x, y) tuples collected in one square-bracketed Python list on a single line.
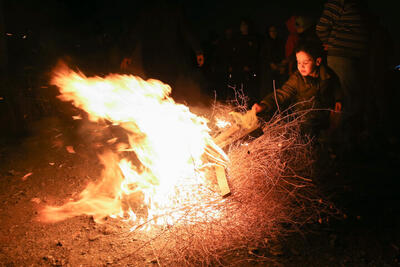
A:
[(155, 255), (276, 100)]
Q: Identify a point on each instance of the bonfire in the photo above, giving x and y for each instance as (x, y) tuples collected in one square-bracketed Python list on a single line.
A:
[(202, 189)]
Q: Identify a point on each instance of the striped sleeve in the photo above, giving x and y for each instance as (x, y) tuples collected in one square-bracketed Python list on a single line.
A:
[(344, 28), (331, 13)]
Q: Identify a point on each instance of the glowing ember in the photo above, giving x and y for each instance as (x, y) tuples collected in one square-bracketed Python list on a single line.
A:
[(169, 141)]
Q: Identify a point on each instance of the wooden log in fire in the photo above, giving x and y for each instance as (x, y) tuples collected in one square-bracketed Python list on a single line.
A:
[(244, 125), (222, 181)]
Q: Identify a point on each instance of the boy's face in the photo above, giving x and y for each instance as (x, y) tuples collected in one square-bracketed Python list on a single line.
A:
[(306, 64)]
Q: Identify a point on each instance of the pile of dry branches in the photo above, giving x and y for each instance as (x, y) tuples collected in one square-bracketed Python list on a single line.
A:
[(270, 177)]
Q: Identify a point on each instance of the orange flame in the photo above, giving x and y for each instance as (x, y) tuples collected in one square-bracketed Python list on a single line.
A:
[(168, 140)]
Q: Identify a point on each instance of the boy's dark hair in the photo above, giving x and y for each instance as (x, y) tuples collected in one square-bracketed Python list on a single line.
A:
[(312, 48)]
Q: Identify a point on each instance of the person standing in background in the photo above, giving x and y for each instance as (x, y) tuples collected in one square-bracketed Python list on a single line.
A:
[(342, 28), (246, 59), (273, 66), (290, 45)]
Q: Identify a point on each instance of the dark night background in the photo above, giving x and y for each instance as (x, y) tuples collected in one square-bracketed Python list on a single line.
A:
[(91, 34), (59, 25), (207, 15)]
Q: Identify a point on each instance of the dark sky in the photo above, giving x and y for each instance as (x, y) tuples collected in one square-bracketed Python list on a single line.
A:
[(61, 27), (204, 15)]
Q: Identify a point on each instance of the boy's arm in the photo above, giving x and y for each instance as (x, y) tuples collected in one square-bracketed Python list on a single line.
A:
[(284, 94)]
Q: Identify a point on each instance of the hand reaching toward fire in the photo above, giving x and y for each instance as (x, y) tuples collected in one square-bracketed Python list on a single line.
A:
[(258, 107)]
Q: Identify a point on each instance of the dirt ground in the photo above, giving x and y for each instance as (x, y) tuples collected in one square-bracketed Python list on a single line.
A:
[(39, 170)]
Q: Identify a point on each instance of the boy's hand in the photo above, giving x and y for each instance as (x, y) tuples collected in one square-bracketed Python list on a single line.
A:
[(258, 107), (334, 116), (338, 107)]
